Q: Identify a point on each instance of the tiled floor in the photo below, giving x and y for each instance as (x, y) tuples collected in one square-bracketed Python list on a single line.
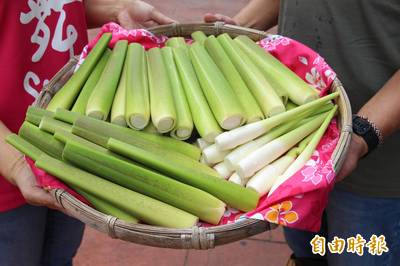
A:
[(268, 248), (98, 249)]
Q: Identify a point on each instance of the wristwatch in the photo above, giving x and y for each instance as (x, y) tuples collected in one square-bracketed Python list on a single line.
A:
[(368, 131)]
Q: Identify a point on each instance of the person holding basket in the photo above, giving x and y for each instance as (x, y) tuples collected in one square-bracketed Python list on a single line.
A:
[(360, 41), (37, 39)]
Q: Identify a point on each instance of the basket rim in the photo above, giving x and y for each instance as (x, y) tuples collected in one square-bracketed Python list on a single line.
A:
[(64, 198)]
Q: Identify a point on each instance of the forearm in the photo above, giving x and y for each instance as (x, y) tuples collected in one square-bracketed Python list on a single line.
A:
[(384, 108), (11, 161), (99, 12), (259, 14)]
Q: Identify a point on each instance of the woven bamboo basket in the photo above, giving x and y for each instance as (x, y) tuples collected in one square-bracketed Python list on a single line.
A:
[(196, 237)]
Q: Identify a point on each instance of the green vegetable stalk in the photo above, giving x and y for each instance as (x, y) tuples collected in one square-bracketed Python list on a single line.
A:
[(243, 94), (203, 118), (146, 209), (101, 98), (83, 98), (163, 114), (220, 96), (184, 124), (68, 93), (137, 105)]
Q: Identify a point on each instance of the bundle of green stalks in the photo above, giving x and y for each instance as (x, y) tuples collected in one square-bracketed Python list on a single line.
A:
[(135, 176), (216, 83), (118, 131)]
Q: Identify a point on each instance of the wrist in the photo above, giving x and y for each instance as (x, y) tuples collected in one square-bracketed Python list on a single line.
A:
[(362, 147), (366, 130), (18, 168)]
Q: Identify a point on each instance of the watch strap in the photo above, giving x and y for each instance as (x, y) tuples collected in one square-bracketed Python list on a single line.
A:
[(372, 136)]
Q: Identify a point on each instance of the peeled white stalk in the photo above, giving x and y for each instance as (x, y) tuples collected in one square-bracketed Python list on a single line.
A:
[(274, 149), (202, 143), (236, 179), (234, 157), (263, 180), (222, 170), (213, 155), (233, 138), (202, 160), (306, 154)]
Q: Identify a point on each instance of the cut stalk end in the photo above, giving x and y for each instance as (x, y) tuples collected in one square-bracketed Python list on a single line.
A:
[(183, 133), (165, 124), (97, 115), (232, 122), (138, 121)]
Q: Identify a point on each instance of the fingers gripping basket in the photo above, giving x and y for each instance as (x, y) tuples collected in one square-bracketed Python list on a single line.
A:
[(196, 237)]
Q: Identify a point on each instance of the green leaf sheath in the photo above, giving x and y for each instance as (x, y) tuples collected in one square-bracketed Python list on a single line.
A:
[(220, 96), (137, 105), (24, 146), (178, 42), (163, 114), (108, 130), (66, 116), (270, 103), (34, 153), (230, 193), (144, 208), (279, 75), (107, 208), (41, 139), (118, 106), (66, 96), (83, 98), (243, 94), (35, 114), (203, 118), (145, 181), (199, 37), (50, 125), (101, 98), (184, 124)]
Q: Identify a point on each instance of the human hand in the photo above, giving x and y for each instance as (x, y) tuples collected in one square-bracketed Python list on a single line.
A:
[(357, 149), (211, 17), (21, 175), (139, 14)]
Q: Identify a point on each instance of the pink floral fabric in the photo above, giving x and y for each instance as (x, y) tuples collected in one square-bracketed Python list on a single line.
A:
[(299, 201)]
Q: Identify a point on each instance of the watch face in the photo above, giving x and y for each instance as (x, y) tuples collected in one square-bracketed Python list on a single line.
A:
[(361, 126)]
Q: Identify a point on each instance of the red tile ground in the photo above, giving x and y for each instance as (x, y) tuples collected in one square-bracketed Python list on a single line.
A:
[(269, 248)]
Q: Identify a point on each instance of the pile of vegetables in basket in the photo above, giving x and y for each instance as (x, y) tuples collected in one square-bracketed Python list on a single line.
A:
[(101, 133)]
